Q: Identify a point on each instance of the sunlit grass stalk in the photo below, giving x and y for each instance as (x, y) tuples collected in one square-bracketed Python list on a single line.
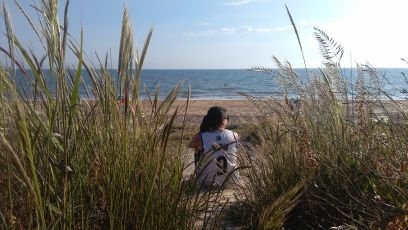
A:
[(90, 153), (342, 159)]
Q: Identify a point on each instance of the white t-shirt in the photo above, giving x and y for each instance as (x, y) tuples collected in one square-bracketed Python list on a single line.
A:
[(218, 160)]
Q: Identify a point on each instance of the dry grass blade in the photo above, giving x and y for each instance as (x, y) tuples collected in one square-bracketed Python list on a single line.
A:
[(65, 32), (329, 48), (185, 116), (125, 55), (274, 215), (30, 22), (262, 69), (297, 35), (140, 60), (9, 34), (139, 65), (15, 61), (92, 167), (14, 156)]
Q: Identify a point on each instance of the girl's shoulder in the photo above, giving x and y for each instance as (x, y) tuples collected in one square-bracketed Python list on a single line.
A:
[(232, 132), (195, 141)]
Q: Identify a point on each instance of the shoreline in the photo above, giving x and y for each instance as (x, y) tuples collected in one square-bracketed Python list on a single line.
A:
[(245, 111), (246, 107)]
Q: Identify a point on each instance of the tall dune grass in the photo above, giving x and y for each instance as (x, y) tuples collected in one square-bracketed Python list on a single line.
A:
[(70, 163), (328, 161)]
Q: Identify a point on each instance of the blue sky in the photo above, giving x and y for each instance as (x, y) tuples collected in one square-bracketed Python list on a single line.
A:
[(221, 34)]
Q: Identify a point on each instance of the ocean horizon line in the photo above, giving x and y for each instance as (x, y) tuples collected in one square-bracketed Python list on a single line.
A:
[(249, 68), (226, 84)]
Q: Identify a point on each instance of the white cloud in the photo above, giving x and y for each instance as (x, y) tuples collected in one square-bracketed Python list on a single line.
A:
[(238, 2), (263, 30), (241, 2), (238, 30)]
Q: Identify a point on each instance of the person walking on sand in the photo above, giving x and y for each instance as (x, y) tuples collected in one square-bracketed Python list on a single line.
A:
[(215, 150)]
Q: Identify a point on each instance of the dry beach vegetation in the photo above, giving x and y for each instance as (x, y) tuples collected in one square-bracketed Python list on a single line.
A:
[(335, 160)]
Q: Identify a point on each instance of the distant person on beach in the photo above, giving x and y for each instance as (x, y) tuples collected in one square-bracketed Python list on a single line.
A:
[(122, 102), (215, 150)]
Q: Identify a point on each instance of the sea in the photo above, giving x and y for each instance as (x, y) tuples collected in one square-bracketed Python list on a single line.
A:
[(228, 84)]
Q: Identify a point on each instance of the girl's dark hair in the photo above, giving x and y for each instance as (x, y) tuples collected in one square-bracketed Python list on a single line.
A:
[(213, 119)]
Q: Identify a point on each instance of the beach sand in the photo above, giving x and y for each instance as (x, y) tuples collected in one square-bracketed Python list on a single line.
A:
[(244, 111), (240, 111), (234, 107)]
